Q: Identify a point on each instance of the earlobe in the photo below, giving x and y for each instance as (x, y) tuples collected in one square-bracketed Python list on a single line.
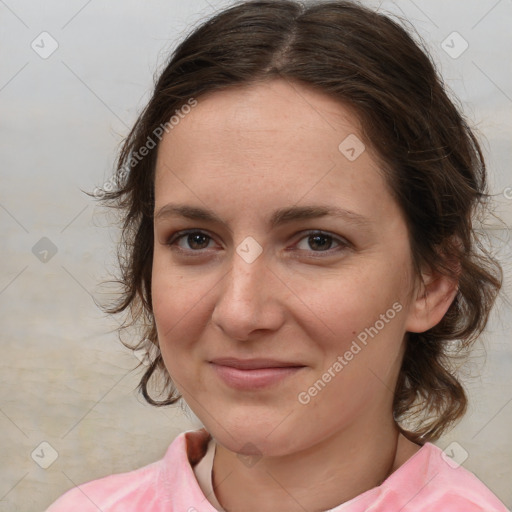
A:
[(432, 300)]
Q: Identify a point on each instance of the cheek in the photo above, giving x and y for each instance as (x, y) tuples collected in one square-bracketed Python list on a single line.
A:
[(331, 309), (342, 304), (177, 327), (174, 301)]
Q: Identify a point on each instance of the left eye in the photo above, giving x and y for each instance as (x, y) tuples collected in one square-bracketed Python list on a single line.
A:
[(322, 241)]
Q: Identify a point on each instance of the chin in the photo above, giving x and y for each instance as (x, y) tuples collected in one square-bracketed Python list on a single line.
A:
[(256, 438)]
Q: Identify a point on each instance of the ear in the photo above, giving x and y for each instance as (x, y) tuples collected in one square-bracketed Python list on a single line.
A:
[(430, 301)]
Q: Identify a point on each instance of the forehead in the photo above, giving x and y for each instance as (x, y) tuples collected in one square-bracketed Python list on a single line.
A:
[(261, 124), (264, 110), (270, 142)]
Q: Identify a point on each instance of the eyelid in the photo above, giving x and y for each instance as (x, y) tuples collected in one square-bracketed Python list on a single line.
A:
[(178, 235), (343, 243)]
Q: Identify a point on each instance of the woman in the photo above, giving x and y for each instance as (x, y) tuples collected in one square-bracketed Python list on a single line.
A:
[(297, 201)]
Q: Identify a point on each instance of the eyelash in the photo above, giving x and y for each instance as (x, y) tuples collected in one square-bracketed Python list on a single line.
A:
[(343, 244)]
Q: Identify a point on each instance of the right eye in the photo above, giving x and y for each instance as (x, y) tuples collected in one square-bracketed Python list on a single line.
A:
[(196, 241)]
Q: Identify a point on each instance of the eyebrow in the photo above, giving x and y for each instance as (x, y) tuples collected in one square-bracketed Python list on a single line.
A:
[(279, 217)]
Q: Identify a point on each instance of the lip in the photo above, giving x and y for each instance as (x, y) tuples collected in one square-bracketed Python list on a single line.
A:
[(253, 364), (252, 374)]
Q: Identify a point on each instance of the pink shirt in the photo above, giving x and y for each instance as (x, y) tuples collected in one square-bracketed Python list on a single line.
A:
[(425, 483)]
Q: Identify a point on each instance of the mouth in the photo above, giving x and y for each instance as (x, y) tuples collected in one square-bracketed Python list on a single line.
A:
[(254, 364), (253, 374)]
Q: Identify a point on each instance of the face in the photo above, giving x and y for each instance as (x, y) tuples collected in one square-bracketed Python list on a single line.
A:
[(265, 277)]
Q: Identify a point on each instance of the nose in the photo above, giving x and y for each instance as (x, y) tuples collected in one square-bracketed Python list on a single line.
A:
[(250, 298)]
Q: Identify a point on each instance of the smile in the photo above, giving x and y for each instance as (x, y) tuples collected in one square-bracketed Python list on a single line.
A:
[(253, 378)]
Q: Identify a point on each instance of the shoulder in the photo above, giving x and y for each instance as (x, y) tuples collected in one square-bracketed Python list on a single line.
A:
[(108, 493), (432, 481), (148, 488)]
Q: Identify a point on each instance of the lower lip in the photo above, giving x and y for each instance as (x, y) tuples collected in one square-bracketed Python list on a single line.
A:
[(253, 379)]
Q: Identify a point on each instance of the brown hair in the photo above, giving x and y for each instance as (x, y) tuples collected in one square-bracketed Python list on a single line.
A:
[(432, 162)]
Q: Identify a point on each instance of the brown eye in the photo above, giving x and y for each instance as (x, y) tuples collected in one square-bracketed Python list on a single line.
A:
[(318, 241), (195, 241)]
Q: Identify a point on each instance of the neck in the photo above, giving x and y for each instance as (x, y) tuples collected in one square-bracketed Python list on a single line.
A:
[(318, 478)]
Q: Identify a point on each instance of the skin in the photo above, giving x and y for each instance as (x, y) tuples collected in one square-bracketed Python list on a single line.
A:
[(243, 153)]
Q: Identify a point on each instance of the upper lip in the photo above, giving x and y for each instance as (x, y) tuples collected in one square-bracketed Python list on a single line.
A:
[(252, 364)]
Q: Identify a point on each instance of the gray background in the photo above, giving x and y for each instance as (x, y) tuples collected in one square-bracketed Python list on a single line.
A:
[(65, 379)]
